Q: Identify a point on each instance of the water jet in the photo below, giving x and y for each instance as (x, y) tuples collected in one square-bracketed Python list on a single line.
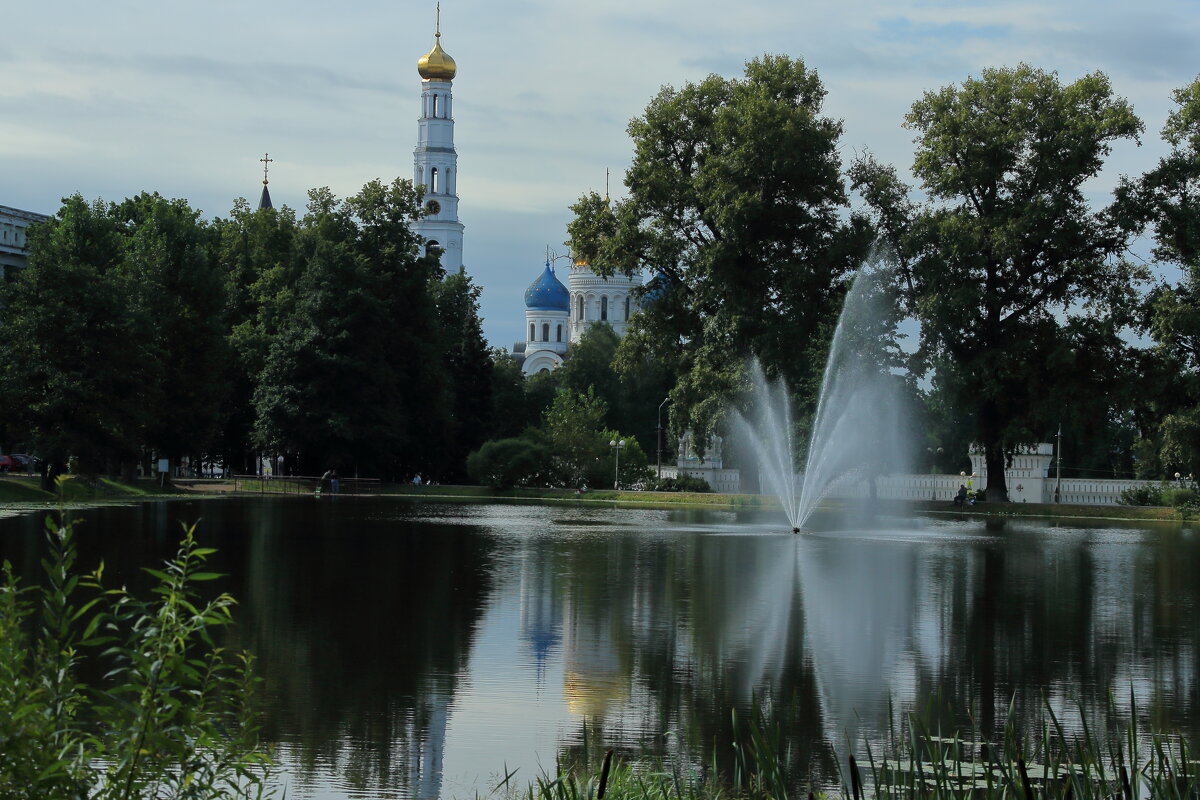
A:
[(860, 430)]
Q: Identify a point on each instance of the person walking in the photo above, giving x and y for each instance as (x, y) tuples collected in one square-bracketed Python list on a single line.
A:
[(335, 485)]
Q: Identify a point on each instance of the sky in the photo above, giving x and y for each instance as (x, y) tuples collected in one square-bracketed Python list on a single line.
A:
[(111, 99)]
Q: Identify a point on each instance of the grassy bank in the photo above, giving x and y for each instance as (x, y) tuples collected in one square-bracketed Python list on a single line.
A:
[(739, 502), (21, 489), (608, 496)]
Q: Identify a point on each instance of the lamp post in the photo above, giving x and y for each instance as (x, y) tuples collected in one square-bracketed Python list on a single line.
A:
[(616, 446), (659, 441)]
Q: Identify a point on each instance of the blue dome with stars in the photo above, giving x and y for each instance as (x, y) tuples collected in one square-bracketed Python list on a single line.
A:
[(547, 293)]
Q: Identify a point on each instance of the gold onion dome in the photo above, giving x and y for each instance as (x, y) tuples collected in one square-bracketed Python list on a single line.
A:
[(437, 65)]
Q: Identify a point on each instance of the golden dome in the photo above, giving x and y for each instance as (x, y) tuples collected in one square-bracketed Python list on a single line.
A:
[(437, 65)]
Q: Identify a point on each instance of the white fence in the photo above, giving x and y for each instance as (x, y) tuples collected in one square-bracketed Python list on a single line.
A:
[(1024, 486), (1076, 491)]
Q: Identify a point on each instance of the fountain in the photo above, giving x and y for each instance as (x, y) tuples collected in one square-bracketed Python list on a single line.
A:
[(860, 430)]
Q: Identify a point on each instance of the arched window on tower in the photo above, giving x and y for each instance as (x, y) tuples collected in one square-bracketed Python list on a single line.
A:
[(579, 307), (627, 308), (532, 338), (435, 105), (545, 331), (558, 337), (433, 181), (604, 308), (432, 248)]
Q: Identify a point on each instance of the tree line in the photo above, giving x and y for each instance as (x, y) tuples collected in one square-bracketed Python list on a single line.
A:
[(140, 330), (333, 339), (1028, 299)]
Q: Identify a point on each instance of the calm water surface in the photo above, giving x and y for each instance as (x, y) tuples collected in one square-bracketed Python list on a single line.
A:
[(414, 650)]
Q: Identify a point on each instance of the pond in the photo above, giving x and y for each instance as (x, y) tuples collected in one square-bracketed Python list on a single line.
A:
[(416, 650)]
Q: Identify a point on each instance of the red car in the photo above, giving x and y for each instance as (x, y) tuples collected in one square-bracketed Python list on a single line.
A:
[(7, 464)]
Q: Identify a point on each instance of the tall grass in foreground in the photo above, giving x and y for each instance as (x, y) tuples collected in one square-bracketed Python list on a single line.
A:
[(1117, 763), (917, 763), (171, 716)]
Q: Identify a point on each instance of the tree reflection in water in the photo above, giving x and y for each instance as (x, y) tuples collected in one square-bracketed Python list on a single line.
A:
[(410, 646)]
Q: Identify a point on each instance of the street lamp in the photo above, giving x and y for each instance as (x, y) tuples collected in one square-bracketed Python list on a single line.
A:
[(616, 446), (659, 441)]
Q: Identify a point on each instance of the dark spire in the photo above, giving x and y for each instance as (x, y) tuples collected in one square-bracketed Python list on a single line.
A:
[(265, 200)]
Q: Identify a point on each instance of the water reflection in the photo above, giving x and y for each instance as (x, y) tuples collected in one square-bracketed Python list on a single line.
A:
[(415, 650)]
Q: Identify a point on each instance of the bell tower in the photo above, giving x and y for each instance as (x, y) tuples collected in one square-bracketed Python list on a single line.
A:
[(435, 162)]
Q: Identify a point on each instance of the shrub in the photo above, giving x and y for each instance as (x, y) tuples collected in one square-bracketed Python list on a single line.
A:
[(172, 715), (1176, 498), (683, 483), (505, 463), (1142, 496)]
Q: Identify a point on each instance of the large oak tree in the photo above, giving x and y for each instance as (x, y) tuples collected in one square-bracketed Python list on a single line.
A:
[(1006, 255), (737, 214)]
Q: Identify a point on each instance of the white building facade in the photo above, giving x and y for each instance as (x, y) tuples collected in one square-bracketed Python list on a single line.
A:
[(435, 161), (14, 251), (596, 299), (557, 316)]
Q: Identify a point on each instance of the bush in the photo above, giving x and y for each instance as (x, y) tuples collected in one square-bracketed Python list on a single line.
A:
[(172, 715), (505, 463), (683, 483), (1142, 496), (1176, 498)]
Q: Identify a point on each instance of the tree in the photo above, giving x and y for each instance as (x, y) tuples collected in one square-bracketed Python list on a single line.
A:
[(1168, 198), (575, 436), (511, 412), (1006, 252), (100, 357), (258, 250), (468, 364), (347, 379), (168, 255), (737, 206)]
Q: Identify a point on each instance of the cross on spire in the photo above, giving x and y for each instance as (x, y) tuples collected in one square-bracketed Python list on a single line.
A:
[(437, 28), (266, 161)]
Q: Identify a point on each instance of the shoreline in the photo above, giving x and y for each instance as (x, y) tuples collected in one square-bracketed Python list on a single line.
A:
[(20, 493)]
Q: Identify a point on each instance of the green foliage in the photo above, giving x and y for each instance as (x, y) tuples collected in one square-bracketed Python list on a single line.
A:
[(682, 483), (469, 364), (1180, 496), (1167, 198), (1006, 261), (506, 463), (347, 379), (736, 204), (924, 760), (576, 439), (116, 338), (1143, 496), (173, 715)]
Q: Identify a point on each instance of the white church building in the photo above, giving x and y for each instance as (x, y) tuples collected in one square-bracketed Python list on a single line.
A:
[(557, 316)]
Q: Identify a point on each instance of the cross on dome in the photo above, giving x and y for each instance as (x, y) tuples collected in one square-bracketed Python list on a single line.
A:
[(437, 65)]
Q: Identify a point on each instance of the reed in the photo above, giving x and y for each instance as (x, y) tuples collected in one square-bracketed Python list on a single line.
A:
[(916, 760)]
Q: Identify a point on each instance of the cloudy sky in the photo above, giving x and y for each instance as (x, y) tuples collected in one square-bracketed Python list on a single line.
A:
[(109, 99)]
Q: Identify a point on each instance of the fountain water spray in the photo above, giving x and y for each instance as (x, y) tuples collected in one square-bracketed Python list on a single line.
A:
[(860, 430)]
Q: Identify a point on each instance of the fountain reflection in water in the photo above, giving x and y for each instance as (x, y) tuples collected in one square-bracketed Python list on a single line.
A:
[(860, 432)]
